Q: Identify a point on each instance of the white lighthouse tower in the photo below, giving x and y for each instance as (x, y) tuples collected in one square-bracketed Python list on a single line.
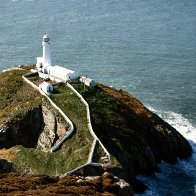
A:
[(46, 61), (44, 64)]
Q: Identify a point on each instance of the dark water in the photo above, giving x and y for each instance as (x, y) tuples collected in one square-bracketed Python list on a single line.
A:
[(145, 47)]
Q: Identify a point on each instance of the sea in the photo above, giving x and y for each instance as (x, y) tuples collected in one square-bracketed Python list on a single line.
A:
[(146, 47)]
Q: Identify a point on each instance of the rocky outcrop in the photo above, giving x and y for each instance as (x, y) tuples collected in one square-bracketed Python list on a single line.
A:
[(106, 185), (24, 131), (39, 127), (48, 134), (135, 136)]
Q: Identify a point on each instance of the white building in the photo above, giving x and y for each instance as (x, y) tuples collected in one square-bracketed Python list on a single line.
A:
[(46, 87), (44, 64), (87, 81), (62, 73)]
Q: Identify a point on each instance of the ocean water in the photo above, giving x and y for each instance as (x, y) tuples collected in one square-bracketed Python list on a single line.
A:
[(146, 47)]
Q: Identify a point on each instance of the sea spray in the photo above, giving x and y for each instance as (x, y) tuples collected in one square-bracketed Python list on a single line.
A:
[(178, 179)]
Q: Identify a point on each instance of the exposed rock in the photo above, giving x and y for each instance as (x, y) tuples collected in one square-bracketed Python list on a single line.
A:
[(37, 128), (47, 136), (119, 186), (135, 136), (125, 188), (22, 132)]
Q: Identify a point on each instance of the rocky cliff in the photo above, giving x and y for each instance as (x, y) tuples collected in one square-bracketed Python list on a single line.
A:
[(22, 132), (38, 128), (136, 138)]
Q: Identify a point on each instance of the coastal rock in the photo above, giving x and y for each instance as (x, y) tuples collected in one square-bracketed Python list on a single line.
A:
[(125, 188), (119, 186), (37, 128), (24, 131), (47, 136), (134, 135)]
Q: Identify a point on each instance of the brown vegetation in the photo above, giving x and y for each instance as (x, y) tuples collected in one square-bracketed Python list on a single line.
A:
[(137, 138), (15, 184)]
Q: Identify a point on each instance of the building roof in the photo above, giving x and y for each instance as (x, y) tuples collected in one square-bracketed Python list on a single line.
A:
[(45, 84), (65, 70), (86, 79)]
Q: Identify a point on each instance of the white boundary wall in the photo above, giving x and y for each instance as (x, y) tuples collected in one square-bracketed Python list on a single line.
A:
[(57, 146), (90, 157), (88, 118), (59, 110)]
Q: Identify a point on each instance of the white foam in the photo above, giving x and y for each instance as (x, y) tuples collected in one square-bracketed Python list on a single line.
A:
[(178, 179), (180, 123)]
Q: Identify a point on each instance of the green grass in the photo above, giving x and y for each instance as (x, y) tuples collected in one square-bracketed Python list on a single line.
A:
[(111, 123), (16, 96), (74, 151), (78, 147), (39, 162)]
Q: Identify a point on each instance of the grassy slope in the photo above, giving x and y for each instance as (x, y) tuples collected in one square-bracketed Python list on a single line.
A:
[(75, 151), (109, 121), (16, 98), (81, 142)]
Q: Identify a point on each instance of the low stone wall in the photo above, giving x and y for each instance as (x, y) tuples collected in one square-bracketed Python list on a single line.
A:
[(57, 146), (88, 118), (13, 68), (90, 157)]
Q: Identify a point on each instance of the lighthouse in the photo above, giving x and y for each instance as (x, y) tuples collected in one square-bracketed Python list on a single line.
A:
[(45, 62), (46, 51)]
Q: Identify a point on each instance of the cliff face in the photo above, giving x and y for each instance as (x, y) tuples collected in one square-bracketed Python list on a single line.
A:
[(22, 132), (165, 142), (38, 128), (135, 136)]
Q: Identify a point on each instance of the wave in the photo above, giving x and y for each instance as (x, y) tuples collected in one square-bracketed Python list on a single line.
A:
[(178, 179), (20, 0)]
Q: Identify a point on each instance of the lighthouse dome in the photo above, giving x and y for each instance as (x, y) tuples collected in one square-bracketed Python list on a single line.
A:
[(46, 38)]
